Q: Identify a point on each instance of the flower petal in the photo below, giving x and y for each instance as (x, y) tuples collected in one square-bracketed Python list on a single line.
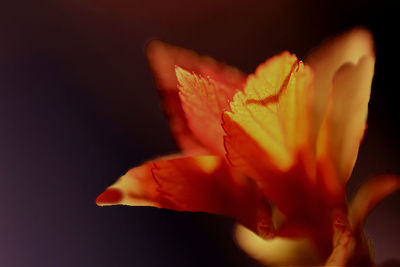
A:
[(277, 251), (272, 109), (197, 184), (348, 47), (136, 188), (162, 58), (267, 128), (203, 101), (345, 122), (369, 195)]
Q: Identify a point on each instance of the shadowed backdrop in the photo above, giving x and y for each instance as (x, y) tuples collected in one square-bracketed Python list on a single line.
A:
[(78, 108)]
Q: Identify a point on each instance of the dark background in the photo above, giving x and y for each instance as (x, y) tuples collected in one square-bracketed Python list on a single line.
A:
[(78, 108)]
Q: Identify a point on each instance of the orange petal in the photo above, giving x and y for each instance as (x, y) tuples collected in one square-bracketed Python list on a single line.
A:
[(198, 184), (348, 47), (203, 101), (369, 195), (272, 109), (162, 58), (345, 122), (267, 127)]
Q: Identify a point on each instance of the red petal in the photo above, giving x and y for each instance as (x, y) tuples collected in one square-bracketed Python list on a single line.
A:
[(198, 184), (162, 58), (203, 101)]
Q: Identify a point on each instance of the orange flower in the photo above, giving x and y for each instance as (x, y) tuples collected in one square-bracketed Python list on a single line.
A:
[(273, 149)]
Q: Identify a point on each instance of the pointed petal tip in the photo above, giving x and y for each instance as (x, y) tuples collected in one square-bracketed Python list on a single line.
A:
[(181, 73), (184, 76), (109, 196), (178, 70)]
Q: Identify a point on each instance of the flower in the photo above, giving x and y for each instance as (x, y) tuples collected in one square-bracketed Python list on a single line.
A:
[(273, 150)]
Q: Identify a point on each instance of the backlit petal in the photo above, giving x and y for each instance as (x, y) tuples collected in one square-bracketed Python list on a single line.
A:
[(272, 109), (203, 101), (325, 60), (197, 184), (345, 122), (369, 195), (162, 59), (267, 129)]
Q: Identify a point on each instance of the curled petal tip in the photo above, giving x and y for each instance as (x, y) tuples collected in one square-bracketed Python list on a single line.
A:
[(109, 197)]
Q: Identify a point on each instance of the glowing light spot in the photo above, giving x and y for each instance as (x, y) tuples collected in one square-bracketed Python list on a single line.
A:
[(208, 164)]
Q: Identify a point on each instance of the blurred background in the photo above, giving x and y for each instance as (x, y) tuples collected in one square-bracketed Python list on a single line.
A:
[(78, 108)]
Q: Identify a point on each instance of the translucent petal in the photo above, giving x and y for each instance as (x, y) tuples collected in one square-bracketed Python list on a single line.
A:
[(345, 122), (163, 58), (326, 59), (203, 101)]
